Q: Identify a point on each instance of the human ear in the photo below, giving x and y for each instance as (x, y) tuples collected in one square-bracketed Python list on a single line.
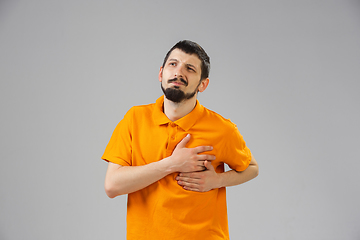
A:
[(160, 74), (203, 85)]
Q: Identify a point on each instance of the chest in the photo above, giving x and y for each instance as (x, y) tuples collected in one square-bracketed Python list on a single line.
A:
[(153, 143)]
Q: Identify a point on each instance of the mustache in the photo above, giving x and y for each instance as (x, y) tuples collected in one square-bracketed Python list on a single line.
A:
[(178, 79)]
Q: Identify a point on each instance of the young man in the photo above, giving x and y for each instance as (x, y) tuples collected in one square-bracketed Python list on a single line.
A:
[(169, 157)]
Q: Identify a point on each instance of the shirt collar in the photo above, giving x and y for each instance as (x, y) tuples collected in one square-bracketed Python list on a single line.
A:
[(185, 122)]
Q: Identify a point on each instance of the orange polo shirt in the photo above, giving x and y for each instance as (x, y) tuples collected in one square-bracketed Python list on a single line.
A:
[(164, 210)]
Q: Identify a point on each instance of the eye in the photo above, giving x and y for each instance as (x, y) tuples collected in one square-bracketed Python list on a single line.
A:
[(172, 64), (191, 69)]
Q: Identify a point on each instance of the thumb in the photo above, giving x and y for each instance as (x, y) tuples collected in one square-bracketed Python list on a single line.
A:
[(184, 141), (208, 165)]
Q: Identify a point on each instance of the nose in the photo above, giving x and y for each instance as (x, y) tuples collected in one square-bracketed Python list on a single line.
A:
[(178, 72)]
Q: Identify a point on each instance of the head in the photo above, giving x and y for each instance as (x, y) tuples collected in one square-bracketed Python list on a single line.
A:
[(185, 71), (190, 47)]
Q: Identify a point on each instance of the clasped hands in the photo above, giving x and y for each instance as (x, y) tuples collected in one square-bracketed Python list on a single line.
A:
[(196, 172)]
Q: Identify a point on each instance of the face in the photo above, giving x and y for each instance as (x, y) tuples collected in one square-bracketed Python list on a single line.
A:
[(180, 76)]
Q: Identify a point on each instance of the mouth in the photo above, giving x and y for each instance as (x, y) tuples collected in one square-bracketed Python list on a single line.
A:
[(178, 82)]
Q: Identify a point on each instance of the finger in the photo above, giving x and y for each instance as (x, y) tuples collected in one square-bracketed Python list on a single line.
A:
[(184, 141), (201, 166), (194, 188), (186, 181), (208, 165), (197, 169), (192, 178), (200, 163), (204, 157), (188, 185), (184, 174), (201, 149), (191, 189)]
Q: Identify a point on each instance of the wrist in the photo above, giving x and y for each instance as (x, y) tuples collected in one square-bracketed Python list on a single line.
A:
[(220, 180), (168, 167)]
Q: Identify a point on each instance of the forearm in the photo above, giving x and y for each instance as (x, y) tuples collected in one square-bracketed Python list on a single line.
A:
[(127, 179), (204, 181), (232, 177)]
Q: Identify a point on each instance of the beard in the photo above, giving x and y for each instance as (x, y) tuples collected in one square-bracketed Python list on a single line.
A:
[(176, 95)]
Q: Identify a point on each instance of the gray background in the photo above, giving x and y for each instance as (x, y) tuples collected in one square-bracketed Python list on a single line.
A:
[(286, 72)]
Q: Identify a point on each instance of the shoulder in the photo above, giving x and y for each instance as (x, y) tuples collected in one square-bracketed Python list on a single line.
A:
[(140, 110), (136, 115), (218, 120)]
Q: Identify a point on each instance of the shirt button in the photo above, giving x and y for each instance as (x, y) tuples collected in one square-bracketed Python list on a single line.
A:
[(173, 137)]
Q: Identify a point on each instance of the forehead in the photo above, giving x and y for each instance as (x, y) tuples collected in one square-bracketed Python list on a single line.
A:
[(185, 58)]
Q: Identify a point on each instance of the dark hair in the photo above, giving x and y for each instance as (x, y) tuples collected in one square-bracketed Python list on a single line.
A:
[(190, 47)]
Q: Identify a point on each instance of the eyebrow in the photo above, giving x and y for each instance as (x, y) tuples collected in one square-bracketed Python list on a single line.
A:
[(173, 59)]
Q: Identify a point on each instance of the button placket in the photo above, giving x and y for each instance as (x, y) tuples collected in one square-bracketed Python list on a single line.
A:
[(172, 130)]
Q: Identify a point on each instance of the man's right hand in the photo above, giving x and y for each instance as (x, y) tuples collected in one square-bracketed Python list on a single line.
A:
[(127, 179), (188, 159)]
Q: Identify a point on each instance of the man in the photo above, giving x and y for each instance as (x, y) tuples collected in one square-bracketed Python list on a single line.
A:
[(169, 157)]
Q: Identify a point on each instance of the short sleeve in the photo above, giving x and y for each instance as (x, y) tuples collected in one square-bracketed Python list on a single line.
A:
[(238, 155), (119, 148)]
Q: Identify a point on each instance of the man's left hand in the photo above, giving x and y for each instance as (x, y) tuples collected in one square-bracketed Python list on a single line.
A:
[(200, 181)]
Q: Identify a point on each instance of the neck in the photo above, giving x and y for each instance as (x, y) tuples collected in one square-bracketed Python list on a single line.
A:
[(175, 111)]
